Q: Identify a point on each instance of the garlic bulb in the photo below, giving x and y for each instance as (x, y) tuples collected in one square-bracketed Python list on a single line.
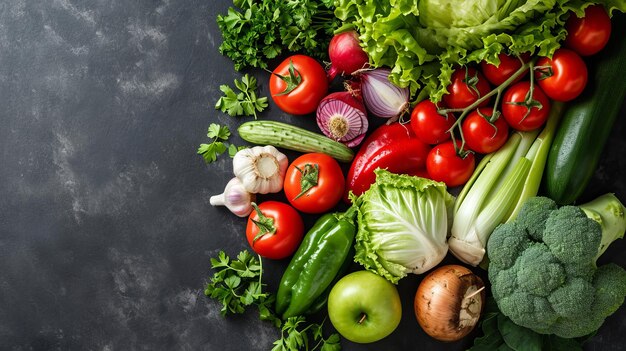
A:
[(261, 169), (235, 198)]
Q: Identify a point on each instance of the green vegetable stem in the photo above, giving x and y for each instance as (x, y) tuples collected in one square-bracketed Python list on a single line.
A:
[(501, 183), (320, 259)]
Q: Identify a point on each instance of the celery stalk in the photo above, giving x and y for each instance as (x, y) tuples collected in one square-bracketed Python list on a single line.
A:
[(502, 182), (542, 144)]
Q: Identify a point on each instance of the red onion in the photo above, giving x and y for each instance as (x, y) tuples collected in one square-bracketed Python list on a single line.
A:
[(341, 116), (383, 98), (346, 55)]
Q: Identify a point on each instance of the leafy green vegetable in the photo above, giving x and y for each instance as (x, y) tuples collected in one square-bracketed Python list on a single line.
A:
[(256, 31), (295, 336), (244, 103), (237, 283), (402, 225), (423, 40), (219, 134)]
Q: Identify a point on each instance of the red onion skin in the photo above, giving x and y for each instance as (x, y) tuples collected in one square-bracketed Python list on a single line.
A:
[(346, 54), (353, 100), (374, 102), (349, 98)]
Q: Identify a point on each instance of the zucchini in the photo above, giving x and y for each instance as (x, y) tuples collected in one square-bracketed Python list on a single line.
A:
[(294, 138), (587, 122)]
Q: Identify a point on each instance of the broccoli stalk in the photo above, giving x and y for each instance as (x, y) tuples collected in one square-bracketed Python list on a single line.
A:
[(608, 211), (543, 270)]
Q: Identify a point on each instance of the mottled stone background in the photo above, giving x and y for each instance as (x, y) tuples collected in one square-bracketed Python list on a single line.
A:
[(105, 226)]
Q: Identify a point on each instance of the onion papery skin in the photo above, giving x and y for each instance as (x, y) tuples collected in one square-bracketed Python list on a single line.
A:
[(346, 54), (343, 107), (383, 98), (449, 302)]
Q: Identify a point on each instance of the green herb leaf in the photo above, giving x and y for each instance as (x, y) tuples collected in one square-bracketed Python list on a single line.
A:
[(297, 334), (219, 134), (217, 131), (254, 32), (237, 283), (244, 103)]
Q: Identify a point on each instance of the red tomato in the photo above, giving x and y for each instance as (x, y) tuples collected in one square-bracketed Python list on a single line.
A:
[(278, 231), (568, 78), (314, 183), (588, 35), (481, 135), (521, 114), (508, 65), (429, 126), (445, 165), (467, 85), (310, 85)]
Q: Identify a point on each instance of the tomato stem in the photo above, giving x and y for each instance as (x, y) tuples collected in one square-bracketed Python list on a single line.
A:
[(293, 80), (309, 178), (265, 224), (496, 91)]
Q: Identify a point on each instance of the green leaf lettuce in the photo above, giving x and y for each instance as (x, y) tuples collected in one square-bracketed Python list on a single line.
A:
[(424, 40)]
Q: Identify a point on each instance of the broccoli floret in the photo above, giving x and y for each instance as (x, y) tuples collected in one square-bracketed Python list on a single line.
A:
[(571, 235), (534, 213), (543, 269), (510, 245), (538, 272), (610, 284)]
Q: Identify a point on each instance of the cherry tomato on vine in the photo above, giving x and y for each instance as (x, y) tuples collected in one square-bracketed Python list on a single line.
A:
[(497, 75), (522, 113), (589, 34), (481, 134), (429, 125), (563, 77), (274, 230), (444, 164), (466, 86), (314, 183), (298, 84)]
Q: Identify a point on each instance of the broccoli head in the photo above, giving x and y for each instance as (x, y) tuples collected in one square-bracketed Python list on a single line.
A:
[(542, 266)]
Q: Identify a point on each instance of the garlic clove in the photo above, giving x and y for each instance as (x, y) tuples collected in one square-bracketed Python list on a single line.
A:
[(235, 198)]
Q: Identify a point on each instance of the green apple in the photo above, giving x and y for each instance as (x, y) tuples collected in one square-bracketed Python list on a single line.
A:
[(364, 307)]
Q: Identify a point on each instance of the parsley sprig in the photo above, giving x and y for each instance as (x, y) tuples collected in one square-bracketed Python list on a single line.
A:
[(295, 336), (244, 103), (237, 283), (255, 31), (219, 135)]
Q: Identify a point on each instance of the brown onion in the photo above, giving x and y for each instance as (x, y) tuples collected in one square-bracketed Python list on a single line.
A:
[(448, 302)]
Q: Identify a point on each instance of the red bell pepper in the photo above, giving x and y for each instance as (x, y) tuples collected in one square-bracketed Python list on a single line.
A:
[(394, 147)]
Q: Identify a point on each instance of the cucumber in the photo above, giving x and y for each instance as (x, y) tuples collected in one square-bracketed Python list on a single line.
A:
[(293, 138), (587, 122)]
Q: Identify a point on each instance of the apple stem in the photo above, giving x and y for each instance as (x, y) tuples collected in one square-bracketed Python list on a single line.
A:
[(363, 316)]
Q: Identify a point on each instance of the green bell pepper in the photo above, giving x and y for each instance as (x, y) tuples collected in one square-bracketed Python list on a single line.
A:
[(319, 260)]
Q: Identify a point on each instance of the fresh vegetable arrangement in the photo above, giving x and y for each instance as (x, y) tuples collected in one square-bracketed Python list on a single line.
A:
[(438, 125)]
